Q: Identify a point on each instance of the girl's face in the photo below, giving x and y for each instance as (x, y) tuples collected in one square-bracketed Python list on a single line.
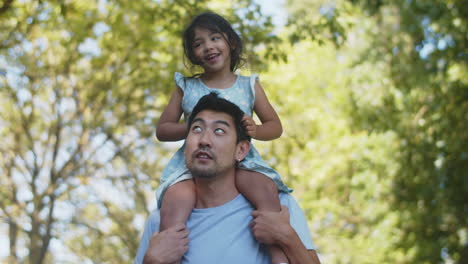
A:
[(211, 50)]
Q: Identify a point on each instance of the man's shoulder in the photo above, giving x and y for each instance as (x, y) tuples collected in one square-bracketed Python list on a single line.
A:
[(240, 201), (286, 198)]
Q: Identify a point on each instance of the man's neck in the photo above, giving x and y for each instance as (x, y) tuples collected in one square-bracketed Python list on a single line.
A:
[(215, 192)]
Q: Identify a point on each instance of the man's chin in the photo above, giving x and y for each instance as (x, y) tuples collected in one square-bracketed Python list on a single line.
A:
[(204, 173)]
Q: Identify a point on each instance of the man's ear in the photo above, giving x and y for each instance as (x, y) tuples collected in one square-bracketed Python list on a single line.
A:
[(242, 150)]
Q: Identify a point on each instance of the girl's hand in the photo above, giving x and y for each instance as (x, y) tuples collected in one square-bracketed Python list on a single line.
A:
[(249, 126)]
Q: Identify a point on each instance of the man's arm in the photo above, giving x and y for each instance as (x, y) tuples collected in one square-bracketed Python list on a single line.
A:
[(274, 228), (293, 247), (167, 246), (153, 244)]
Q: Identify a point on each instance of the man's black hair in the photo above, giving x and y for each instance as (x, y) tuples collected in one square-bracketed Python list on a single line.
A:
[(215, 103)]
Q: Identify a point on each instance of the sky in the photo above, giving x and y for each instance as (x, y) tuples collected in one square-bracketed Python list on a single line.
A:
[(274, 8)]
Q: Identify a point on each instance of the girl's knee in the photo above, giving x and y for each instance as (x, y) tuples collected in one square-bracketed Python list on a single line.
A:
[(181, 190), (255, 180)]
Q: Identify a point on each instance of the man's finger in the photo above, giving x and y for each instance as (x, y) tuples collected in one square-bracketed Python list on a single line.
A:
[(178, 227), (154, 234), (256, 213), (185, 233)]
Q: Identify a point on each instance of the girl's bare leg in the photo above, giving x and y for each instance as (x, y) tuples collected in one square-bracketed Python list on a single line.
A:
[(262, 192), (177, 204)]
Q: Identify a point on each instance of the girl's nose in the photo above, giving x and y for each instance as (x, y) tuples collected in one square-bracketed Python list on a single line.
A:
[(208, 45)]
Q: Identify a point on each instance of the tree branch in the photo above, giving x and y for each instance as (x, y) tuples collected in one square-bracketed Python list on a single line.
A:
[(6, 5)]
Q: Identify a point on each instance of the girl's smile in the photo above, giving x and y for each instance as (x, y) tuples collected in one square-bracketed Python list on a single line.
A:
[(211, 58)]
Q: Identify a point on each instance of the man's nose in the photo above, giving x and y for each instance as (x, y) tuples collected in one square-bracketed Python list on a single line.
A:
[(205, 140)]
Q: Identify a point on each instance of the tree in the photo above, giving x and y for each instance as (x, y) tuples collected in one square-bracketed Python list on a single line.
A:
[(341, 176), (420, 46), (82, 85), (427, 64)]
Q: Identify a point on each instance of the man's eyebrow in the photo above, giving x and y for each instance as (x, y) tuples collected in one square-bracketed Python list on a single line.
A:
[(222, 122), (198, 119), (201, 120)]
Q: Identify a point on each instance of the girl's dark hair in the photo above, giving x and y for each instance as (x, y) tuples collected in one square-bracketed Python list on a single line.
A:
[(215, 23)]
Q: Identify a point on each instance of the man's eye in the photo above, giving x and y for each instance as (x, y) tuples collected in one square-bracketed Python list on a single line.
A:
[(220, 131), (196, 129)]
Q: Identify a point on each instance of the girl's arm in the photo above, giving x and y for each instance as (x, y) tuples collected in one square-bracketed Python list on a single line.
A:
[(168, 127), (271, 124)]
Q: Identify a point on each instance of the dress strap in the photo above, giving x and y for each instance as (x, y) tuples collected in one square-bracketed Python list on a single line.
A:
[(180, 80), (253, 79)]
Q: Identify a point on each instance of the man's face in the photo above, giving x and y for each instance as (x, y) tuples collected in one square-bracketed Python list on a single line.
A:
[(211, 144)]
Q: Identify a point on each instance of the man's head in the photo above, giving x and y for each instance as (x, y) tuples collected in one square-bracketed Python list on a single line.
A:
[(216, 139), (213, 102)]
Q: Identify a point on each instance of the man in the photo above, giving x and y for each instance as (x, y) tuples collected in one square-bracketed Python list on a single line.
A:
[(223, 228)]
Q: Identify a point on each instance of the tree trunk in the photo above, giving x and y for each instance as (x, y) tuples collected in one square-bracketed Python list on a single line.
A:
[(13, 234)]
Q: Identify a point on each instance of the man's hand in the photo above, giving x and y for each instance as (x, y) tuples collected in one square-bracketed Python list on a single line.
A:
[(249, 125), (168, 246), (274, 228), (271, 227)]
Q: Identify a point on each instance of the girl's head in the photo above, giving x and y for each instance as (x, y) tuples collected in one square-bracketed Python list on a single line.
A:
[(216, 24)]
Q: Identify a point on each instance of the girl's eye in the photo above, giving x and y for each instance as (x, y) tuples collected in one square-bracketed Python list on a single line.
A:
[(196, 45), (219, 131)]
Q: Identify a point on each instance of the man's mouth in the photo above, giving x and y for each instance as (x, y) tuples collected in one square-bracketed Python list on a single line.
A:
[(203, 155)]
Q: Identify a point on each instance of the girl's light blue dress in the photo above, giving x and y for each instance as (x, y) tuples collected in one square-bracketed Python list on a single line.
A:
[(241, 93)]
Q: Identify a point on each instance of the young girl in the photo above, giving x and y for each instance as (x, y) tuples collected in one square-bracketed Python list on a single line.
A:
[(210, 42)]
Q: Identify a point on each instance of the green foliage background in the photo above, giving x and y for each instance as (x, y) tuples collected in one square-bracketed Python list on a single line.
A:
[(372, 95)]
